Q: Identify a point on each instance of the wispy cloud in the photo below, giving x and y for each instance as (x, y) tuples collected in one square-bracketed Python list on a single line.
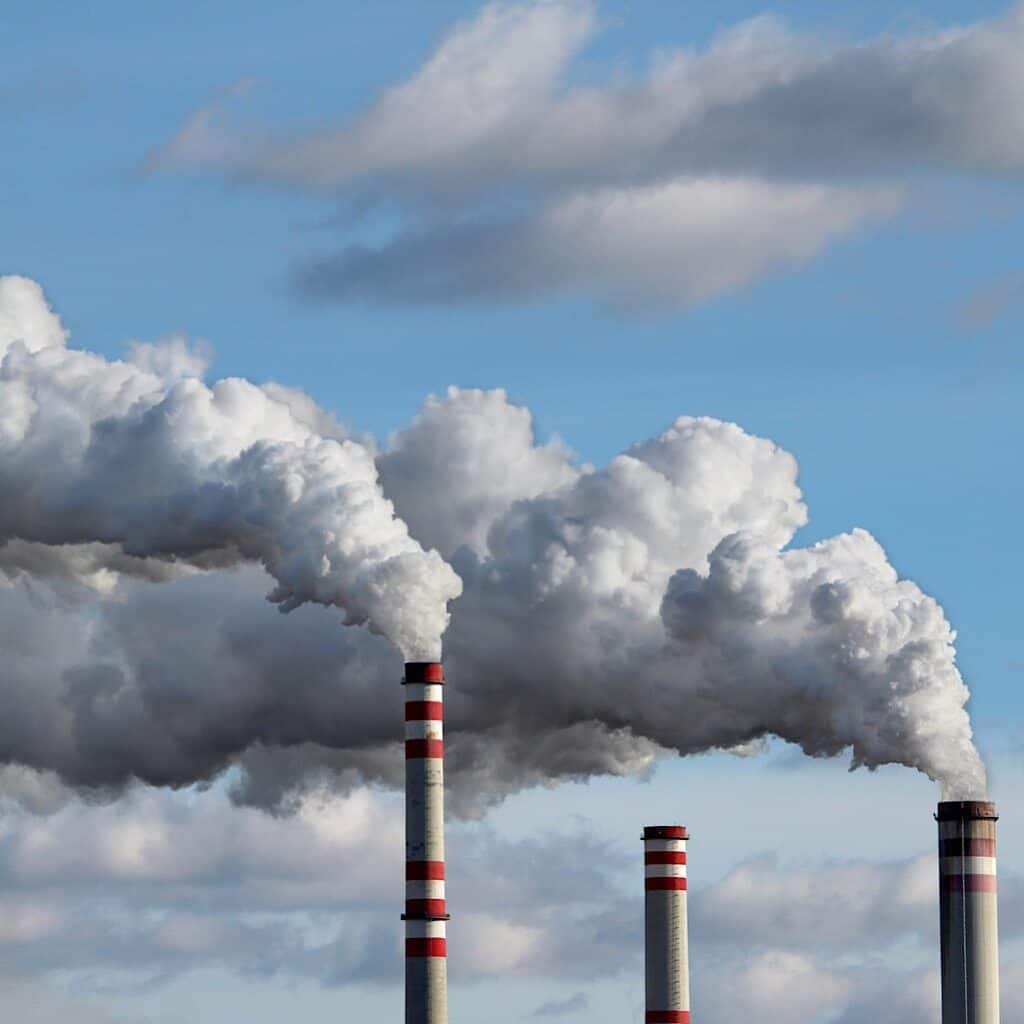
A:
[(992, 301), (563, 1007)]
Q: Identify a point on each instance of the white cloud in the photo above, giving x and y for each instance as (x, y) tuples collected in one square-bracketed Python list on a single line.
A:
[(489, 74), (840, 906), (157, 884), (786, 987), (495, 104)]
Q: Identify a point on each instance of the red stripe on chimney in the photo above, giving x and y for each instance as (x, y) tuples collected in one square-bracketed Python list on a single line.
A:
[(424, 871), (969, 883), (426, 947), (653, 884), (424, 711), (665, 857), (424, 748)]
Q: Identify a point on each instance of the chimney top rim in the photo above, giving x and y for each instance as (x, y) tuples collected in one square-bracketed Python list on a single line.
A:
[(423, 672), (966, 810), (665, 832)]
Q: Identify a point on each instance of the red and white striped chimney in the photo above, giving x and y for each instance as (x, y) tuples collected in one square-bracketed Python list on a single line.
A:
[(967, 912), (667, 969), (426, 965)]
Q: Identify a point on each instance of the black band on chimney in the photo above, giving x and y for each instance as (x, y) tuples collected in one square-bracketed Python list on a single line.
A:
[(966, 810), (424, 672)]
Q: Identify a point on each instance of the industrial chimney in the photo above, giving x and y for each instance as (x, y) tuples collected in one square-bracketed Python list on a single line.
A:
[(426, 965), (665, 953), (967, 912)]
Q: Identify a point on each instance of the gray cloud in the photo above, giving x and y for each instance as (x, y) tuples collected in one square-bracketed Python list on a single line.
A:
[(155, 886), (838, 907), (708, 170), (29, 999), (907, 998), (158, 885), (665, 245), (563, 1007)]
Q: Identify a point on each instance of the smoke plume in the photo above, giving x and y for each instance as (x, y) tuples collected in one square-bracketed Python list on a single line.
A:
[(144, 456), (600, 618)]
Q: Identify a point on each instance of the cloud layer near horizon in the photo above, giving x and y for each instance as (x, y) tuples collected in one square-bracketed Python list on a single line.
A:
[(159, 885), (709, 169)]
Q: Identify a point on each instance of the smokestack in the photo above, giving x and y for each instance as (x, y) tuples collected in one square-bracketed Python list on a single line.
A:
[(667, 966), (426, 965), (967, 912)]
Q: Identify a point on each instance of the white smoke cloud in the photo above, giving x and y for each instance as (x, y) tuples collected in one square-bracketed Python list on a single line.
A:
[(865, 659), (144, 455), (658, 595), (607, 616), (480, 446)]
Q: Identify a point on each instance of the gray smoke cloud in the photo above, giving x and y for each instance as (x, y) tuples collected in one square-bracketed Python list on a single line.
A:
[(607, 616)]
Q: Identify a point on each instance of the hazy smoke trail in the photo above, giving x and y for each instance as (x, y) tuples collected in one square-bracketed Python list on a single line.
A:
[(607, 616)]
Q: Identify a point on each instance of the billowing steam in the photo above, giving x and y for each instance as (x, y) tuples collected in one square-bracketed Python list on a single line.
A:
[(606, 616), (143, 455)]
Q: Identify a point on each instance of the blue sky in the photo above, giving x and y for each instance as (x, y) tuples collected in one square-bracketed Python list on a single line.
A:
[(864, 359)]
